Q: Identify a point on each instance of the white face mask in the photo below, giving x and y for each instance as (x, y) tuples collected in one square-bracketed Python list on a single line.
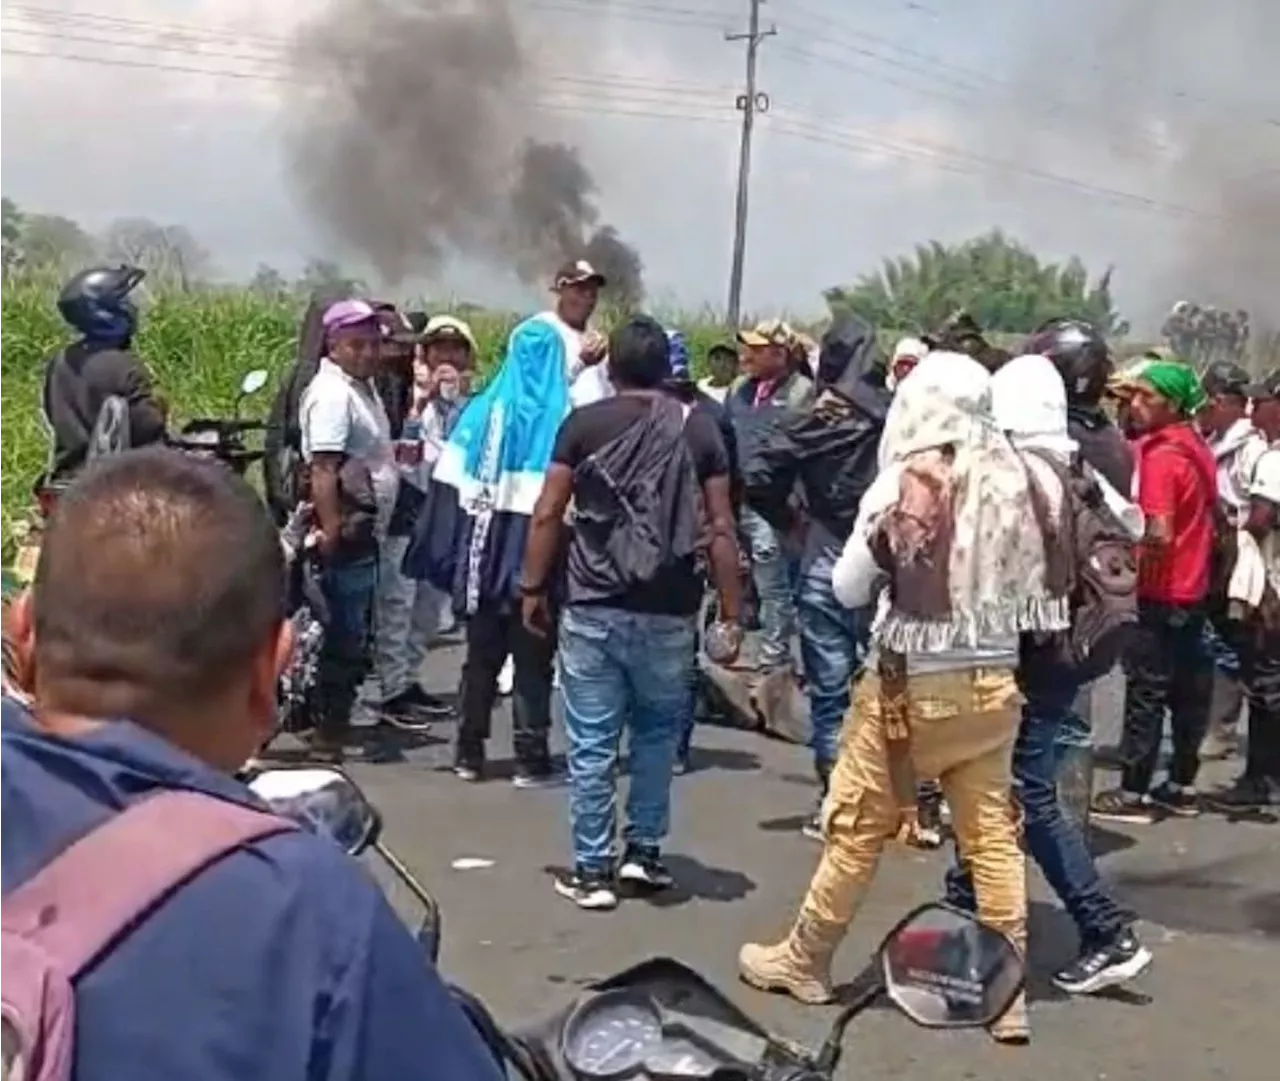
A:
[(449, 392)]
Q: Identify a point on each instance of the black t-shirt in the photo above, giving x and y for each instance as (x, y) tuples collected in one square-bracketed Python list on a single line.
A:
[(677, 589), (77, 382)]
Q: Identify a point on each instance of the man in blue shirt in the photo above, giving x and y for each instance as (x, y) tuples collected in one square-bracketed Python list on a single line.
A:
[(159, 598)]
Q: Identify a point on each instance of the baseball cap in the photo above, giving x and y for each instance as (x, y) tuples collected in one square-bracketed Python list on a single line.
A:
[(770, 332), (1121, 383), (1266, 387), (578, 272), (1224, 377), (348, 313), (442, 328)]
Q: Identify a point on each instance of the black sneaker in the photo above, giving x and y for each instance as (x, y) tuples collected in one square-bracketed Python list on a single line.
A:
[(403, 713), (539, 774), (430, 704), (1246, 794), (643, 867), (1178, 800), (1099, 967), (468, 764), (1118, 805), (589, 889)]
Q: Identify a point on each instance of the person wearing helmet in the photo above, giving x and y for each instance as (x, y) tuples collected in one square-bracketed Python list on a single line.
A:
[(1079, 352), (99, 365)]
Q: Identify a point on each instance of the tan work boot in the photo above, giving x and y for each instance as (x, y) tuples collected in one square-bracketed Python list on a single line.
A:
[(799, 965), (1013, 1027)]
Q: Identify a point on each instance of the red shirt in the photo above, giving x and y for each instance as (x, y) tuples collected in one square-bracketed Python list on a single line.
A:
[(1177, 479)]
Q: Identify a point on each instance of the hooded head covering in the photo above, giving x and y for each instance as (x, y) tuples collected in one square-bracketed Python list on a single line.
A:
[(500, 447), (965, 536), (1176, 382), (848, 353), (1029, 401)]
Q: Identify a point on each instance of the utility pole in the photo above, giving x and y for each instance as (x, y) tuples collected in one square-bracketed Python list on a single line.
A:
[(748, 103)]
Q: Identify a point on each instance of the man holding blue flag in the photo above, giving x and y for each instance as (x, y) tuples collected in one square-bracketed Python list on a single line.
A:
[(471, 537)]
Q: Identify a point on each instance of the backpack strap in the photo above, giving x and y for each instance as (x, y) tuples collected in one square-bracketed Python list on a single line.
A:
[(93, 893)]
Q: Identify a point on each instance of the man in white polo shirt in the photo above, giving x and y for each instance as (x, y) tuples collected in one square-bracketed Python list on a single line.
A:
[(346, 442)]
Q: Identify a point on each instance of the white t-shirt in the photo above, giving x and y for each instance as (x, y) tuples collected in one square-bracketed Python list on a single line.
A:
[(343, 415), (587, 384)]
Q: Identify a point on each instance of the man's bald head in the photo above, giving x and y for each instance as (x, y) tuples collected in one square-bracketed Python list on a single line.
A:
[(160, 580)]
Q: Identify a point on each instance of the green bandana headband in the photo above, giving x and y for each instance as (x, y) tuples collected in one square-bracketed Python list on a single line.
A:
[(1176, 382)]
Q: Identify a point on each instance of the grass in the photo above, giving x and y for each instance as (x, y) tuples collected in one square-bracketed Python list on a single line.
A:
[(198, 346)]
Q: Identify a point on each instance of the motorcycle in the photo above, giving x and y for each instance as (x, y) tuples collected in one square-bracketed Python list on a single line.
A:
[(661, 1019), (223, 438), (208, 437)]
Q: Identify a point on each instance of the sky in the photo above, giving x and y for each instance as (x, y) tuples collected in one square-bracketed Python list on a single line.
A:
[(890, 122)]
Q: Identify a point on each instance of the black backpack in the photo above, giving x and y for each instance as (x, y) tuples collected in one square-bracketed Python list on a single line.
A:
[(282, 462), (637, 507), (1103, 576)]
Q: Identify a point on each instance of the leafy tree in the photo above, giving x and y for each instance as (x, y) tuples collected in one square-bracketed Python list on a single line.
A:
[(168, 253), (1000, 282), (52, 242), (325, 274), (267, 281)]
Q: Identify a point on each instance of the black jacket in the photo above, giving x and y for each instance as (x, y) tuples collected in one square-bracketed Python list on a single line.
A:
[(1102, 446), (76, 383), (828, 447)]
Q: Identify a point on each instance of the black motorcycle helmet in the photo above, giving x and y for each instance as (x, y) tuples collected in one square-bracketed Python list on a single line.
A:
[(1080, 354), (96, 303)]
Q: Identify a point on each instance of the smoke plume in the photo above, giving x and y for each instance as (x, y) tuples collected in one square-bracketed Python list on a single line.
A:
[(408, 142), (1184, 108)]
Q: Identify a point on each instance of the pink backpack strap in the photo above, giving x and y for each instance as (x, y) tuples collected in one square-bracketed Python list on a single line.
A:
[(76, 907)]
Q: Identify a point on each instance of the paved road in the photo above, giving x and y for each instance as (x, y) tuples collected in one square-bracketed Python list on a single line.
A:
[(1208, 889)]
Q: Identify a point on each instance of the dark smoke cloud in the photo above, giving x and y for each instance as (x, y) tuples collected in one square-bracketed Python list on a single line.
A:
[(407, 143), (1181, 106)]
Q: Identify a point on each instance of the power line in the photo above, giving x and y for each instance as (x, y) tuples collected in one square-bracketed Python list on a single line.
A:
[(828, 130), (710, 91), (953, 159), (748, 102), (936, 63)]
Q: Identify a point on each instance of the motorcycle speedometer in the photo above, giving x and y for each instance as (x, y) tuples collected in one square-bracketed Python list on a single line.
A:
[(611, 1035)]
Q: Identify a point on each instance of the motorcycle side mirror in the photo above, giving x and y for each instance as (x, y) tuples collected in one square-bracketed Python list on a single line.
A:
[(325, 802), (944, 969), (253, 382)]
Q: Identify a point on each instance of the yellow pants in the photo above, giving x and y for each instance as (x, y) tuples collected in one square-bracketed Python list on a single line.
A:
[(963, 725)]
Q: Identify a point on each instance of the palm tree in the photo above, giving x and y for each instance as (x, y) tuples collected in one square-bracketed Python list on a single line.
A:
[(1000, 282)]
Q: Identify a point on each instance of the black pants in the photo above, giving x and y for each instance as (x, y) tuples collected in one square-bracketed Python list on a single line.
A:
[(493, 633), (1260, 672), (1167, 667)]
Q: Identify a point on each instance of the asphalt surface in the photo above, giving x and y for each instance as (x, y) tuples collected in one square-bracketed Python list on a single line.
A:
[(1208, 891)]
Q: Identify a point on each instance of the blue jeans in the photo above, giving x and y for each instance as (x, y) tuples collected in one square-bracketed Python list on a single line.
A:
[(620, 668), (1053, 841), (833, 643), (348, 590), (772, 568)]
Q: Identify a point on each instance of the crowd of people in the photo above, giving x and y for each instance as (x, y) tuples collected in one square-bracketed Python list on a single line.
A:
[(961, 541)]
